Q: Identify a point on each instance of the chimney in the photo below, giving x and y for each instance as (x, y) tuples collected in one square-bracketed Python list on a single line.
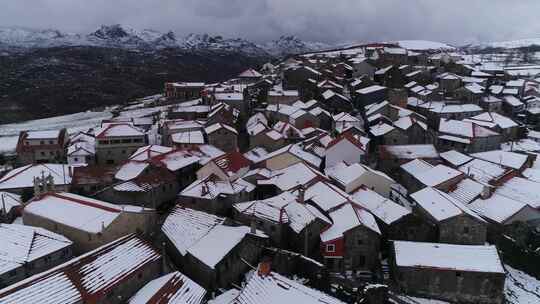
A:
[(253, 227), (265, 267), (487, 191), (301, 195)]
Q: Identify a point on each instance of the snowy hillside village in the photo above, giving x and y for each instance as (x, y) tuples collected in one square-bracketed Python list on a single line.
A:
[(402, 173)]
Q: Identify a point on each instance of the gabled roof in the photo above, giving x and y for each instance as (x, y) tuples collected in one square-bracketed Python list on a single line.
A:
[(211, 188), (23, 244), (23, 177), (86, 278), (497, 208), (384, 209), (348, 217), (173, 288), (231, 162), (297, 151), (441, 206), (283, 209), (217, 126), (118, 130), (292, 176), (503, 158), (249, 73), (448, 257), (348, 137), (76, 211), (274, 288)]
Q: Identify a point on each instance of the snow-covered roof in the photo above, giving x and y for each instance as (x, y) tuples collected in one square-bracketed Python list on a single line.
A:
[(448, 257), (130, 170), (384, 209), (497, 208), (283, 209), (210, 188), (75, 211), (9, 201), (217, 243), (298, 151), (23, 177), (275, 288), (411, 151), (381, 129), (292, 176), (188, 137), (184, 227), (465, 129), (172, 288), (52, 134), (440, 205), (371, 89), (455, 158), (118, 130), (23, 244), (504, 158), (348, 217), (212, 128), (326, 195), (492, 119), (404, 123), (521, 189), (482, 171), (416, 167), (255, 154), (345, 174), (437, 175), (86, 278), (250, 73), (466, 190)]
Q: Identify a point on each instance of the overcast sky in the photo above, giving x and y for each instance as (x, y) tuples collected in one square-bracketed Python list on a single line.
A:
[(453, 21)]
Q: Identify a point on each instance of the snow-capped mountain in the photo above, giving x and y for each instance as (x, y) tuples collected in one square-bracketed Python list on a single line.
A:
[(287, 45), (120, 36)]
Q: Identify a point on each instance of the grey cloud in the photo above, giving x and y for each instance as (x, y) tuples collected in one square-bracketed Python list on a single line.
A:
[(456, 21)]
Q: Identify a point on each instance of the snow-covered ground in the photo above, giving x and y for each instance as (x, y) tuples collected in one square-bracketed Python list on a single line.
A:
[(9, 133), (521, 288)]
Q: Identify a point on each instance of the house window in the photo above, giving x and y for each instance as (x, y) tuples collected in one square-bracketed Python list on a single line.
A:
[(466, 230), (330, 248), (12, 273), (42, 153), (51, 142), (76, 159), (123, 151), (458, 274), (360, 242), (361, 261), (42, 142)]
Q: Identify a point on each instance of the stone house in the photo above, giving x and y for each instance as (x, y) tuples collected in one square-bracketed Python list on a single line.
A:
[(115, 142), (182, 91), (345, 148), (456, 223), (391, 157), (491, 103), (141, 184), (26, 261), (362, 66), (41, 146), (414, 129), (449, 272), (88, 222), (496, 122), (294, 78), (352, 242), (222, 136), (10, 205), (336, 102), (227, 167), (286, 97), (216, 196), (350, 178), (110, 274), (395, 221), (191, 233), (287, 156), (449, 82), (466, 136), (286, 220), (369, 95), (22, 179), (418, 174), (232, 99)]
